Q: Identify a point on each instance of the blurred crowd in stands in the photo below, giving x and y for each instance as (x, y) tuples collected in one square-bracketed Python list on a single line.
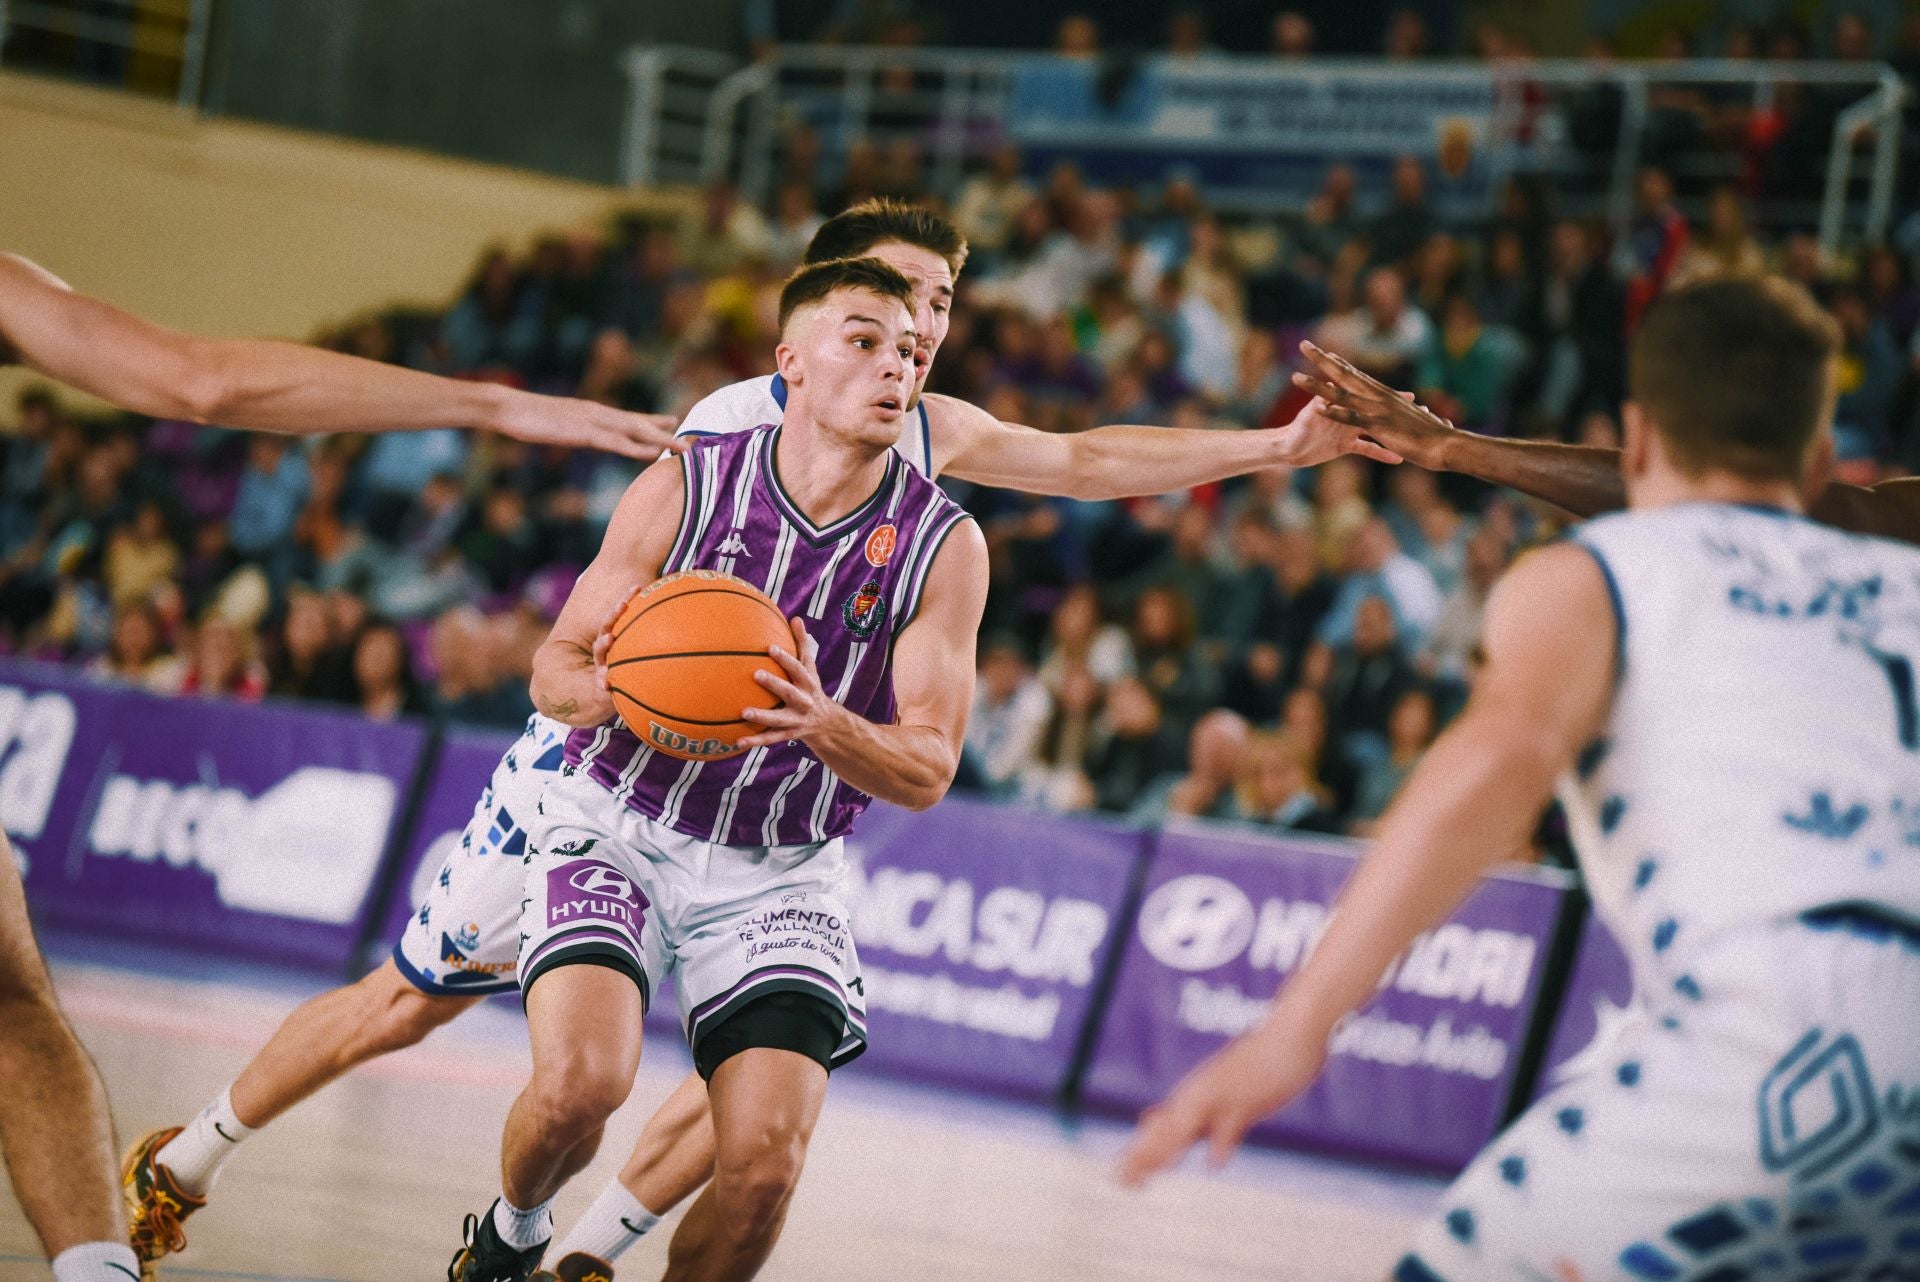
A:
[(1277, 649)]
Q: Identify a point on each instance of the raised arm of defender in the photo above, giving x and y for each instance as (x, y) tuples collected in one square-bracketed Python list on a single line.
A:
[(912, 762), (275, 386), (1582, 479), (1122, 461)]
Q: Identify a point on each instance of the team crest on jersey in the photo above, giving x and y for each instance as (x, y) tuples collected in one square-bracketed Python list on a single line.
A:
[(880, 545), (468, 937), (865, 610)]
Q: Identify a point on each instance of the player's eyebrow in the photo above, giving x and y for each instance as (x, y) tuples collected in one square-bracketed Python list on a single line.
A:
[(909, 331)]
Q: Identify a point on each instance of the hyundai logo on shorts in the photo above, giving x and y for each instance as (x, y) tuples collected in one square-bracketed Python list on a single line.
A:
[(1196, 922), (598, 879)]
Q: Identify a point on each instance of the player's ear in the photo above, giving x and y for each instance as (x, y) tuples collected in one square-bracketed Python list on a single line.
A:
[(1636, 441), (786, 359), (1818, 469)]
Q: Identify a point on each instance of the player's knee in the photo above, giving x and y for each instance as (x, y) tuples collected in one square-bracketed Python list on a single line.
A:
[(580, 1089), (755, 1185)]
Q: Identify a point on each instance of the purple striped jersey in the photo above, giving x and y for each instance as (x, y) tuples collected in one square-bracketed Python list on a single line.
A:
[(857, 583)]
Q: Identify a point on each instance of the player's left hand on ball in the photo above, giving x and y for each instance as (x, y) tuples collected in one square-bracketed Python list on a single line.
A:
[(1219, 1101), (804, 707)]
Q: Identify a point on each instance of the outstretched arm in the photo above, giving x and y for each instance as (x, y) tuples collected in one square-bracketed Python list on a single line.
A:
[(1471, 803), (1122, 461), (911, 762), (1582, 479), (569, 668), (275, 386)]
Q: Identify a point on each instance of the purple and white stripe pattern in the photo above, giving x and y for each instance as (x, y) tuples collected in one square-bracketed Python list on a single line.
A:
[(857, 583)]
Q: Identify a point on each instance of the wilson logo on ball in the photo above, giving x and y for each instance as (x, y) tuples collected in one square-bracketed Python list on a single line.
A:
[(685, 746), (880, 545)]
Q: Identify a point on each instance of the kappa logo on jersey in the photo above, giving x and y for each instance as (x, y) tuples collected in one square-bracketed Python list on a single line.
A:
[(865, 610), (734, 545), (879, 546), (598, 879)]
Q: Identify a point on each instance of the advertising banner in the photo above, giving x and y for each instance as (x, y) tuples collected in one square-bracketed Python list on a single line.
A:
[(1421, 1074), (981, 929), (1599, 994), (233, 828)]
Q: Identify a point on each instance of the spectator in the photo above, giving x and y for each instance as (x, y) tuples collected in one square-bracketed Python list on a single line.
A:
[(727, 232), (1456, 636), (272, 490), (1181, 679), (990, 201), (1654, 244), (1868, 380), (1057, 780), (1081, 642), (310, 664), (1407, 36), (1330, 221), (1078, 38), (140, 557), (1011, 711), (795, 220), (383, 674), (1384, 336), (503, 544), (1408, 221), (471, 684), (137, 654), (1292, 34), (1277, 790), (1462, 374), (1379, 571), (223, 662), (1365, 677), (494, 329), (1410, 731), (1725, 246), (1131, 749), (1573, 330), (1187, 34), (1215, 752)]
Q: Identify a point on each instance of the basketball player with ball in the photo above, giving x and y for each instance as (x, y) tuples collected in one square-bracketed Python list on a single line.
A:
[(437, 972), (696, 828)]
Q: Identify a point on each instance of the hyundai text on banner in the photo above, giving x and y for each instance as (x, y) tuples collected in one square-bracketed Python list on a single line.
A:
[(230, 827), (1598, 998), (1422, 1073), (981, 929)]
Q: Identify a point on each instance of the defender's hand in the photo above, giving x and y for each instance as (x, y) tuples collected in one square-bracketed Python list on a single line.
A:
[(1316, 435), (1219, 1101), (589, 425), (805, 708), (1363, 402)]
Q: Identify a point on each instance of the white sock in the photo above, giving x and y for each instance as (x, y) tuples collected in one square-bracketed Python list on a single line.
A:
[(523, 1230), (197, 1153), (614, 1222), (96, 1262)]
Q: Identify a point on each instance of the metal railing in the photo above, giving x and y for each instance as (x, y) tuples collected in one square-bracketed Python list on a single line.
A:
[(99, 39), (956, 104)]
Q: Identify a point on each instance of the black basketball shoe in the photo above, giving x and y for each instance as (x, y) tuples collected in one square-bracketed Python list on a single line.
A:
[(485, 1258)]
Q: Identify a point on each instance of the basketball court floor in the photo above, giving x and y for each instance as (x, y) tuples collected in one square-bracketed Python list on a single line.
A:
[(368, 1182)]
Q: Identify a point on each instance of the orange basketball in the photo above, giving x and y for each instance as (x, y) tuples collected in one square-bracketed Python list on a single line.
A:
[(682, 661)]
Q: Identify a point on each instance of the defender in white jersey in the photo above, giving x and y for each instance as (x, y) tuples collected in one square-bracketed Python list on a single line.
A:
[(1727, 693), (435, 974)]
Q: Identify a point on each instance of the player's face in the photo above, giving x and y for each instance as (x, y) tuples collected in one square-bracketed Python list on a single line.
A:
[(932, 300), (856, 364)]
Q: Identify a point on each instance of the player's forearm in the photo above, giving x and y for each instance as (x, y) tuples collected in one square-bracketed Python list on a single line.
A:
[(1470, 805), (287, 387), (1583, 479), (910, 766), (566, 687), (1124, 461), (1890, 510)]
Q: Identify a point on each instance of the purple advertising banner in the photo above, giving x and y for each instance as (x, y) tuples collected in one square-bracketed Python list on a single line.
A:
[(232, 828), (1598, 993), (1421, 1074), (460, 774), (981, 930)]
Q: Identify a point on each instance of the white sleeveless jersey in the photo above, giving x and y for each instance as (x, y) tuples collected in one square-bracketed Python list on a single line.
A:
[(1763, 753), (754, 402)]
